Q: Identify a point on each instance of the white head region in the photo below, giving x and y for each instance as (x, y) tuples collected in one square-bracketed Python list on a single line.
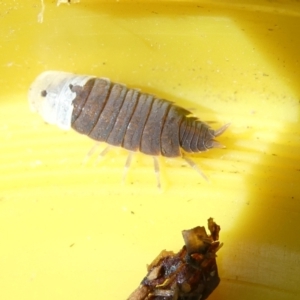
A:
[(52, 97)]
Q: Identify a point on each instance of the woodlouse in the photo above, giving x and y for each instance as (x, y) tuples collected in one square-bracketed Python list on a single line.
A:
[(120, 116)]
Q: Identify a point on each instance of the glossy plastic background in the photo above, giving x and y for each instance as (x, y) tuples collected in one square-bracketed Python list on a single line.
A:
[(73, 231)]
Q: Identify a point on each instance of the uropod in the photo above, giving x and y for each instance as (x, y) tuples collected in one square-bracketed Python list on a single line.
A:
[(120, 116)]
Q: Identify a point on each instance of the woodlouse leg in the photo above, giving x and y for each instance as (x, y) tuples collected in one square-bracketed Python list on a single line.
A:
[(127, 165), (215, 144), (90, 153), (102, 154), (194, 166), (221, 130), (157, 170)]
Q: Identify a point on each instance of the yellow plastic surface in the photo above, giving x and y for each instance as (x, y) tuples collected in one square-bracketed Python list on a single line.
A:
[(72, 231)]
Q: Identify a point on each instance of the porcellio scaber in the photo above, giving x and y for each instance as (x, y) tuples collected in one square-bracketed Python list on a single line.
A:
[(120, 116)]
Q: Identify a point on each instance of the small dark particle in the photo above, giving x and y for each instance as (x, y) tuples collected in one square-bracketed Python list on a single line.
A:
[(191, 274), (44, 93)]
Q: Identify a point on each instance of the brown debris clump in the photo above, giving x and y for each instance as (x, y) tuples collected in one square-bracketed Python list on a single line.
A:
[(191, 274)]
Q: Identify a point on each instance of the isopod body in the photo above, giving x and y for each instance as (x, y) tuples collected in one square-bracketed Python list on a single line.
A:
[(120, 116)]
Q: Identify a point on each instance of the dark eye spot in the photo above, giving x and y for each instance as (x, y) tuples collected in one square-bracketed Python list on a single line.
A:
[(71, 87), (44, 93)]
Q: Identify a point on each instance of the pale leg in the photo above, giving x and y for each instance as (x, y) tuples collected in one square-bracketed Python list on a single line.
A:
[(194, 166), (127, 165), (90, 153), (102, 154), (157, 170)]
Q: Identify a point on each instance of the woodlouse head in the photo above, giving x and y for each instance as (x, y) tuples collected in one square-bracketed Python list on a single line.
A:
[(50, 95)]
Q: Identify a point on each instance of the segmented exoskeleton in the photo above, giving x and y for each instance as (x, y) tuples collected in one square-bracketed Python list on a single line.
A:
[(112, 113)]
